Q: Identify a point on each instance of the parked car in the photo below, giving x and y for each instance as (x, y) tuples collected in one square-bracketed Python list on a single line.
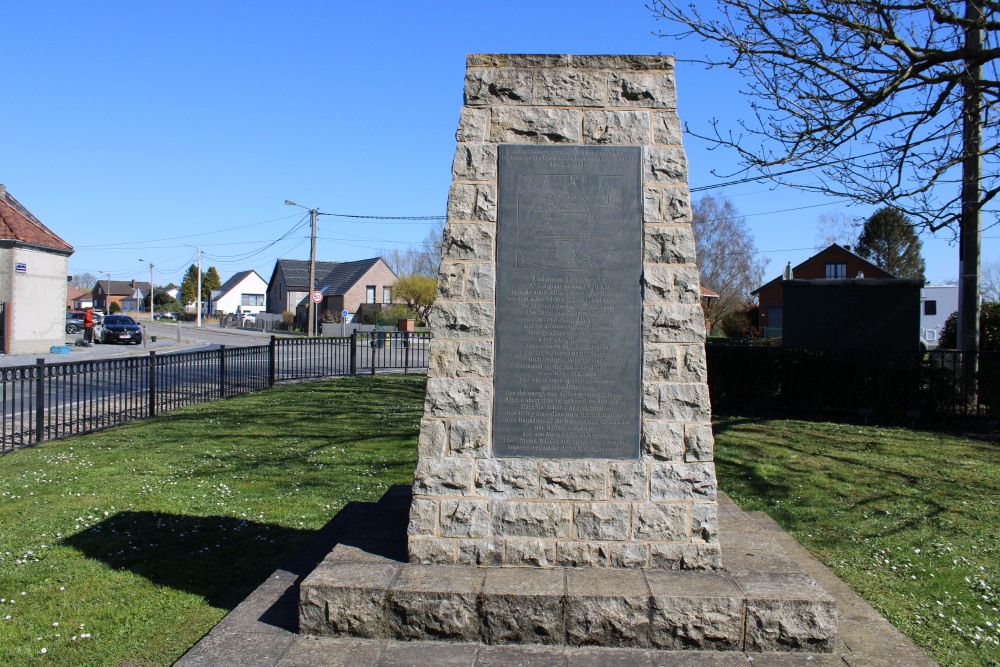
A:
[(119, 329), (74, 321), (167, 315)]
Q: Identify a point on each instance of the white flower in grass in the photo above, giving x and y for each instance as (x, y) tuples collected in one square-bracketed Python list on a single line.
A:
[(43, 650)]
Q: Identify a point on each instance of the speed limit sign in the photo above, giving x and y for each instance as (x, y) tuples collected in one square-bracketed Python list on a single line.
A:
[(317, 296)]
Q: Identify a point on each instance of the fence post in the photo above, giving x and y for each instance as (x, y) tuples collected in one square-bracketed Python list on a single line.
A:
[(39, 400), (272, 359), (406, 357), (375, 348), (222, 371), (354, 352), (152, 384)]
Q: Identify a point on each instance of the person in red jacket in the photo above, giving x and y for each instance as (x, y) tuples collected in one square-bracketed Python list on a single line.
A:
[(88, 325)]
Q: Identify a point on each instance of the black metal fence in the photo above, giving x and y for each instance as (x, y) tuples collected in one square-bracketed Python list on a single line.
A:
[(48, 401), (888, 385)]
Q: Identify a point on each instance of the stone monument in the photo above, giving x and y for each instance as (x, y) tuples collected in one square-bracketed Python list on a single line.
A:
[(567, 418), (565, 492)]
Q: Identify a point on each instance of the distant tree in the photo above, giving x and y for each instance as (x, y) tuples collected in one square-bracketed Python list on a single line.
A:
[(989, 329), (210, 281), (417, 292), (163, 300), (836, 228), (888, 241), (414, 261), (728, 262), (83, 281), (990, 287), (189, 285), (114, 308)]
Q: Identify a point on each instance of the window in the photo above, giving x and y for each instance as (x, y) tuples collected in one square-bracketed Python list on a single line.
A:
[(836, 271), (386, 295), (251, 299), (369, 294), (930, 307)]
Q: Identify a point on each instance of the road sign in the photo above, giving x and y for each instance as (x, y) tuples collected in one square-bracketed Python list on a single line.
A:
[(317, 296), (344, 313)]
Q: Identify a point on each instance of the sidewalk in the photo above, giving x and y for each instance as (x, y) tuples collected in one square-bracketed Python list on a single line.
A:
[(263, 629)]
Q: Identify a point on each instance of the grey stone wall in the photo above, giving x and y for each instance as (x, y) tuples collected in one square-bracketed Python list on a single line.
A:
[(469, 507)]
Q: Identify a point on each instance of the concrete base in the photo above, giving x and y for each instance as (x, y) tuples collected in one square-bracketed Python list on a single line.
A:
[(762, 602)]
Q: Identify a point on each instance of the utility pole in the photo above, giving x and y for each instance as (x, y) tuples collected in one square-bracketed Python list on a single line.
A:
[(313, 212), (198, 316), (152, 292), (107, 297)]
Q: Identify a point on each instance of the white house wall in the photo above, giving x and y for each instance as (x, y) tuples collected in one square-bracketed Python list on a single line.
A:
[(946, 298), (231, 300), (36, 299)]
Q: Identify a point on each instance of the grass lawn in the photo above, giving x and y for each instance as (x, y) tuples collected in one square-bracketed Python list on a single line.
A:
[(126, 546), (908, 519)]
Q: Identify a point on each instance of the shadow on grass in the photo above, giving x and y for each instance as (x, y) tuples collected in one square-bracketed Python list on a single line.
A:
[(224, 559)]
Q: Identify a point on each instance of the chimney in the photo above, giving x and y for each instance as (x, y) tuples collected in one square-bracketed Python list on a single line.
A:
[(132, 283), (788, 274), (3, 190)]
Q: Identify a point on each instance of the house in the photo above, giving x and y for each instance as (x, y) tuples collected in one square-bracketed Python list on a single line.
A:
[(937, 302), (78, 298), (708, 300), (834, 262), (128, 294), (245, 292), (344, 286), (34, 264)]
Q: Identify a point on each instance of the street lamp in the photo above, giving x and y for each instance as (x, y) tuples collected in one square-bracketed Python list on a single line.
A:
[(312, 266), (152, 302)]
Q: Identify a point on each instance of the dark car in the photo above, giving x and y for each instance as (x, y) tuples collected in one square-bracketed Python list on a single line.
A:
[(120, 329), (74, 321)]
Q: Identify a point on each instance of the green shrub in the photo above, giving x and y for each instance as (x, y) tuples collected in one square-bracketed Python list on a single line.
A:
[(989, 329)]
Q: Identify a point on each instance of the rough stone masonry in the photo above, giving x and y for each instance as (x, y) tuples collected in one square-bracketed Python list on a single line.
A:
[(557, 501)]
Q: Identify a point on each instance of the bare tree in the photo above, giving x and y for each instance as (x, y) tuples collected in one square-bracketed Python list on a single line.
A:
[(422, 260), (884, 101), (83, 280), (727, 255), (836, 227), (991, 280)]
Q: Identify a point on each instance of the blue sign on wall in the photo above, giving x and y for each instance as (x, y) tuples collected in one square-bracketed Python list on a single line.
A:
[(21, 268)]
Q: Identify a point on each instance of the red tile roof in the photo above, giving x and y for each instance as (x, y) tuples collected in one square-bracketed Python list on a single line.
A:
[(18, 224)]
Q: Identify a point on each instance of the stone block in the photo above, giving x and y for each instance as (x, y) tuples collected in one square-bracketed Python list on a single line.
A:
[(468, 241), (666, 128), (535, 125), (574, 479), (513, 478), (663, 440), (530, 553), (352, 597), (470, 437), (694, 367), (567, 87), (705, 522), (441, 359), (671, 284), (582, 554), (625, 62), (474, 359), (523, 606), (607, 608), (466, 517), (423, 517), (481, 281), (431, 550), (628, 480), (682, 481), (643, 89), (435, 602), (461, 397), (525, 518), (661, 363), (659, 522), (517, 60), (481, 553), (471, 201), (457, 319), (699, 443), (451, 281), (601, 521), (668, 245), (433, 440), (685, 556), (621, 128), (676, 402), (497, 86), (652, 204), (695, 610), (665, 164), (629, 555), (663, 323), (472, 124), (475, 162), (667, 203), (448, 476), (787, 612)]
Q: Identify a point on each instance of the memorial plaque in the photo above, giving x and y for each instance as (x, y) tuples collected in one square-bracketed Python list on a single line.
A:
[(568, 302)]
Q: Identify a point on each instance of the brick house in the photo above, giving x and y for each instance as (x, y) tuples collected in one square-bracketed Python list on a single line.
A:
[(128, 294), (834, 262), (345, 286), (34, 263)]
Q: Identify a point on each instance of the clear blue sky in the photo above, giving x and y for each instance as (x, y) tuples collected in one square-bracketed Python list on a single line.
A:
[(134, 128)]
